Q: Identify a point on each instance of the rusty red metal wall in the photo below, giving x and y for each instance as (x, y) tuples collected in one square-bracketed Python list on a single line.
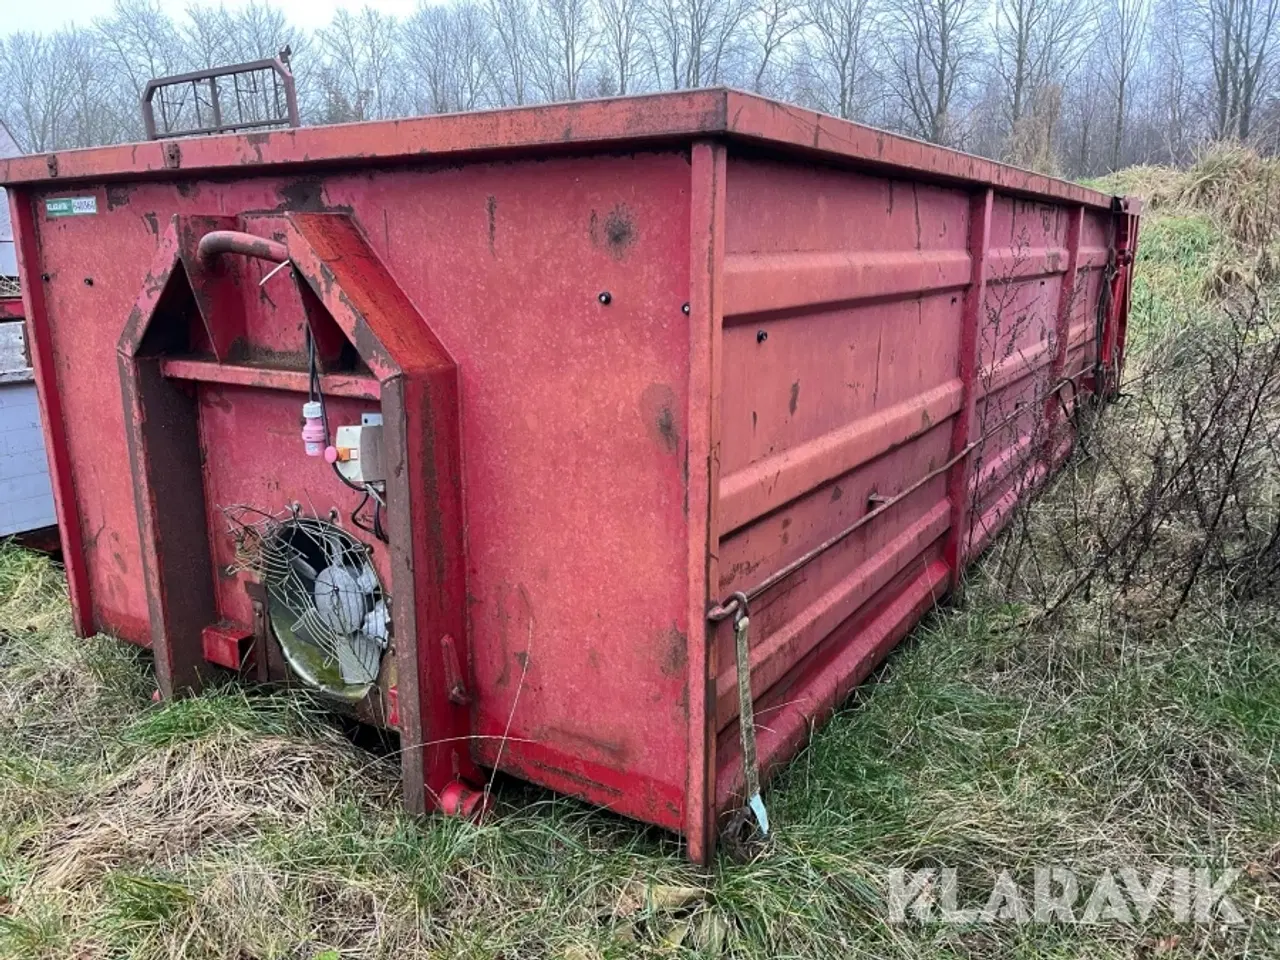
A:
[(685, 340), (874, 330)]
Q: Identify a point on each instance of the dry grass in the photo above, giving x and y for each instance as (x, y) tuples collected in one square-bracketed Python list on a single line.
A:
[(244, 825)]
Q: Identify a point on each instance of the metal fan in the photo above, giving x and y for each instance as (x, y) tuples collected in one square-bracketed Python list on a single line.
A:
[(326, 605)]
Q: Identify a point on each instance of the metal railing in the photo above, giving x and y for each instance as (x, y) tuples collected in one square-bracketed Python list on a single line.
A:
[(241, 96)]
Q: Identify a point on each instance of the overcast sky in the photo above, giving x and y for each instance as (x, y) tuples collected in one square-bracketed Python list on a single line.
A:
[(46, 16)]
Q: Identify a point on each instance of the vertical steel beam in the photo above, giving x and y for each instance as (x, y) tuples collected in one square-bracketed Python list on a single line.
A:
[(962, 426), (422, 434), (166, 460), (1112, 342), (706, 264), (1119, 335), (1067, 303), (40, 341)]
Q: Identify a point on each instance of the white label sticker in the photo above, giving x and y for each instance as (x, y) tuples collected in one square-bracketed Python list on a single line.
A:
[(71, 206)]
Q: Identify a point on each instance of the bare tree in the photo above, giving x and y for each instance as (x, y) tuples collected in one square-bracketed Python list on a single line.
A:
[(620, 42), (141, 42), (1035, 42), (93, 115), (1171, 49), (509, 20), (206, 36), (935, 45), (449, 57), (259, 30), (691, 41), (37, 100), (565, 38), (839, 53), (1124, 24), (1236, 38), (361, 53), (773, 26)]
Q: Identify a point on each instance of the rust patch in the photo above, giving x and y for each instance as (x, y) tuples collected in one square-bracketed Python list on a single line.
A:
[(836, 493), (91, 541), (657, 410), (257, 141), (795, 396)]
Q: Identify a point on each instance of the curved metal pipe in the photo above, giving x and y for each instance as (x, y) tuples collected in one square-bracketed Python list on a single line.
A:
[(234, 241)]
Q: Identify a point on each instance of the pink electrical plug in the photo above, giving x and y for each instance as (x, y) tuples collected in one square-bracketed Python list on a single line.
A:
[(314, 435)]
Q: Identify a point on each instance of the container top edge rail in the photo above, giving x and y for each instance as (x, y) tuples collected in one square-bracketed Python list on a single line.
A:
[(609, 123)]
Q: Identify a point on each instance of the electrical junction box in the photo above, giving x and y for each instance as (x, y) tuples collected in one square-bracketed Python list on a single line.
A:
[(360, 450)]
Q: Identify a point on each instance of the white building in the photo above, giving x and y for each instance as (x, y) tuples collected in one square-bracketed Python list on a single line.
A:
[(8, 261), (26, 499)]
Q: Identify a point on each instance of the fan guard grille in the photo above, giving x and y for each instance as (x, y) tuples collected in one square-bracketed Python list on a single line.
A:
[(325, 602)]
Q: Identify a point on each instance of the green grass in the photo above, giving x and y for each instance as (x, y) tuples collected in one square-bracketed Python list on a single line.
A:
[(242, 824)]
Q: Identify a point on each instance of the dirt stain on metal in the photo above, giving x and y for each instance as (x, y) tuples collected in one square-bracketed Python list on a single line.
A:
[(303, 196), (492, 207), (514, 616), (795, 396), (612, 752), (619, 231), (675, 645), (657, 410), (118, 196)]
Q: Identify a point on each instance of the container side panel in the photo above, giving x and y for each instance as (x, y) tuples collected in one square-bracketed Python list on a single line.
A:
[(1020, 327), (96, 264), (575, 441), (842, 381)]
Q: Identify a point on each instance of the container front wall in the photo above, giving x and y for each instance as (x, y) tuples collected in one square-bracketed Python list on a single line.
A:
[(874, 330), (559, 287)]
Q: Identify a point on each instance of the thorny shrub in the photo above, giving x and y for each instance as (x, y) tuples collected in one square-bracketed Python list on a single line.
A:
[(1171, 503)]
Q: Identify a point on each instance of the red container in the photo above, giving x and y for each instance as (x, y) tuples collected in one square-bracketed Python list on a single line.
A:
[(632, 356)]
